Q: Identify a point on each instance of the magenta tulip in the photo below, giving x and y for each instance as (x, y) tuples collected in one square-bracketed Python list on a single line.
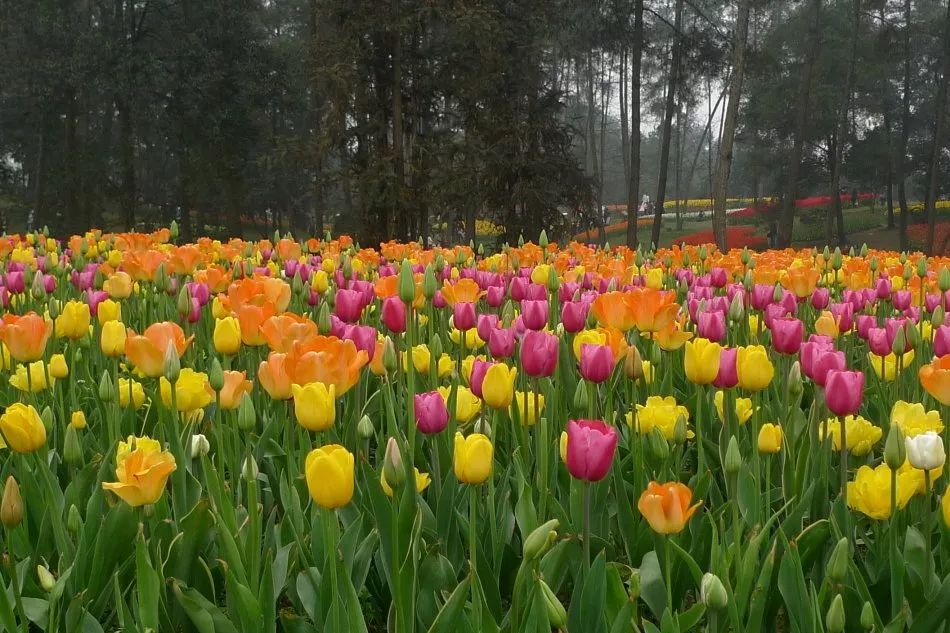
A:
[(942, 340), (477, 377), (901, 299), (590, 449), (463, 315), (878, 342), (883, 288), (843, 391), (820, 298), (774, 311), (574, 316), (597, 362), (711, 324), (536, 292), (844, 315), (893, 326), (394, 314), (495, 296), (363, 336), (825, 363), (519, 287), (863, 323), (534, 312), (432, 415), (787, 333), (718, 277), (484, 325), (539, 352), (932, 300), (501, 342), (810, 352), (349, 305), (728, 376), (762, 295)]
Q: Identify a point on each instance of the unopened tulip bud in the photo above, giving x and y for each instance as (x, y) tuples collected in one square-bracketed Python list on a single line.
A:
[(216, 375), (54, 308), (365, 428), (324, 324), (106, 387), (246, 415), (47, 581), (744, 257), (867, 617), (347, 267), (72, 447), (851, 252), (173, 230), (633, 364), (435, 348), (657, 445), (733, 457), (921, 266), (539, 540), (581, 399), (38, 289), (46, 415), (908, 272), (679, 430), (172, 364), (712, 592), (703, 253), (777, 293), (557, 615), (795, 386), (407, 284), (836, 259), (634, 584), (873, 263), (543, 239), (390, 361), (393, 468), (736, 308), (199, 446), (11, 504), (864, 249), (429, 283), (895, 452), (73, 519), (553, 282), (943, 279), (249, 468), (483, 426), (900, 342), (838, 561), (748, 281), (834, 620), (913, 334), (938, 317), (183, 304)]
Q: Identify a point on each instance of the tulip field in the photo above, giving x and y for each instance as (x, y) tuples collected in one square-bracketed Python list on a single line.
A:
[(307, 435)]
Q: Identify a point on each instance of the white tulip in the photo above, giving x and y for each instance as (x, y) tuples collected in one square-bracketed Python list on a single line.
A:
[(925, 451), (199, 446)]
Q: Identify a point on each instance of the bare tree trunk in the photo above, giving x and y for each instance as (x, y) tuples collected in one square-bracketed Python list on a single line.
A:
[(592, 150), (399, 214), (939, 125), (39, 176), (678, 164), (840, 137), (724, 166), (624, 123), (905, 131), (787, 219), (668, 124), (633, 183)]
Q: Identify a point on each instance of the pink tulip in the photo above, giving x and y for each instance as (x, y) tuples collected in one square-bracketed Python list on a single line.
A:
[(901, 299), (590, 449), (349, 305), (774, 311), (762, 295), (718, 277), (844, 315), (519, 287), (789, 302), (363, 336), (728, 376), (883, 288), (597, 362), (932, 300), (539, 351), (495, 296), (820, 298), (432, 415), (463, 315), (712, 325), (501, 342), (14, 282), (787, 335), (811, 351), (566, 292), (534, 313), (865, 322), (826, 363), (574, 316), (843, 391), (199, 291), (94, 298), (536, 292), (477, 377), (394, 314), (485, 323), (438, 301), (893, 326)]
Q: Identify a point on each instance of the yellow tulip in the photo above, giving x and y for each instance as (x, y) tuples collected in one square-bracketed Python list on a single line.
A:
[(655, 278), (587, 337), (473, 458), (870, 492), (660, 413), (743, 408), (421, 359), (135, 393), (77, 420), (770, 438), (33, 382), (498, 386), (540, 274), (913, 419), (890, 364), (472, 340), (108, 310), (118, 285), (524, 403), (330, 476), (142, 469), (192, 391), (22, 428), (57, 366), (701, 362), (73, 322), (861, 434), (422, 482), (826, 325), (112, 339), (227, 335), (467, 404), (563, 446), (218, 309), (753, 367), (320, 281), (315, 405)]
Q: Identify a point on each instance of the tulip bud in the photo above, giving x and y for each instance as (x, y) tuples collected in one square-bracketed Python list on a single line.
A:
[(834, 620), (172, 364), (365, 428), (748, 280), (11, 504), (72, 447), (900, 342), (539, 540), (435, 348), (543, 239), (557, 615), (633, 364), (106, 387), (407, 285), (744, 257), (703, 253), (777, 293), (657, 445), (943, 279), (795, 386), (483, 426), (216, 375), (173, 230), (634, 584), (712, 592), (581, 400), (851, 252), (53, 308), (736, 308), (73, 519), (838, 561), (733, 457), (908, 272), (867, 617), (38, 289), (836, 259), (390, 361), (347, 267), (553, 282), (864, 249), (246, 415), (323, 317), (938, 317), (873, 264), (249, 468), (199, 446), (183, 304), (679, 430), (913, 334), (895, 452), (47, 581), (393, 468), (429, 283), (507, 314), (921, 266), (46, 415)]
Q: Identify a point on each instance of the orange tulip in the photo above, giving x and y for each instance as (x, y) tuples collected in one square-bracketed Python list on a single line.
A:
[(653, 310), (25, 336), (935, 378), (462, 291), (376, 364), (252, 318), (326, 359), (142, 265), (612, 309), (142, 468), (672, 337), (802, 281), (282, 331), (184, 260), (235, 386), (147, 351), (666, 506), (274, 377)]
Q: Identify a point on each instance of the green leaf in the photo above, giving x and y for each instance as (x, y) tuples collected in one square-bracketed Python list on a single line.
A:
[(147, 589), (448, 619), (586, 611), (791, 584), (205, 615), (652, 587), (936, 613)]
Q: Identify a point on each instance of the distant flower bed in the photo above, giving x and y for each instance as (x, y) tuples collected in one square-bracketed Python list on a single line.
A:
[(707, 203), (610, 230), (737, 236)]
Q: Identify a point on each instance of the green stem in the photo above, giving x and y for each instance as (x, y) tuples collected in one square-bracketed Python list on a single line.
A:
[(332, 546), (14, 580), (668, 571), (587, 526), (928, 529)]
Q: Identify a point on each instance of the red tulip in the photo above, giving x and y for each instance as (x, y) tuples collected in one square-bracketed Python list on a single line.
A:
[(590, 449), (787, 335), (432, 415), (597, 362), (539, 352), (843, 391)]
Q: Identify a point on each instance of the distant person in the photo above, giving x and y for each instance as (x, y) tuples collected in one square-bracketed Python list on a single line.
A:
[(854, 197)]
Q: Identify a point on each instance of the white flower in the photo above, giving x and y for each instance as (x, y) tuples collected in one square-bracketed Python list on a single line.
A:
[(199, 446), (925, 451)]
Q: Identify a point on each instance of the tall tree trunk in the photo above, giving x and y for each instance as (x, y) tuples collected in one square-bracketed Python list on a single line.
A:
[(937, 147), (72, 219), (842, 133), (624, 123), (633, 182), (902, 166), (38, 212), (678, 164), (724, 166), (787, 219), (671, 87), (592, 150), (886, 112), (402, 219), (316, 115)]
